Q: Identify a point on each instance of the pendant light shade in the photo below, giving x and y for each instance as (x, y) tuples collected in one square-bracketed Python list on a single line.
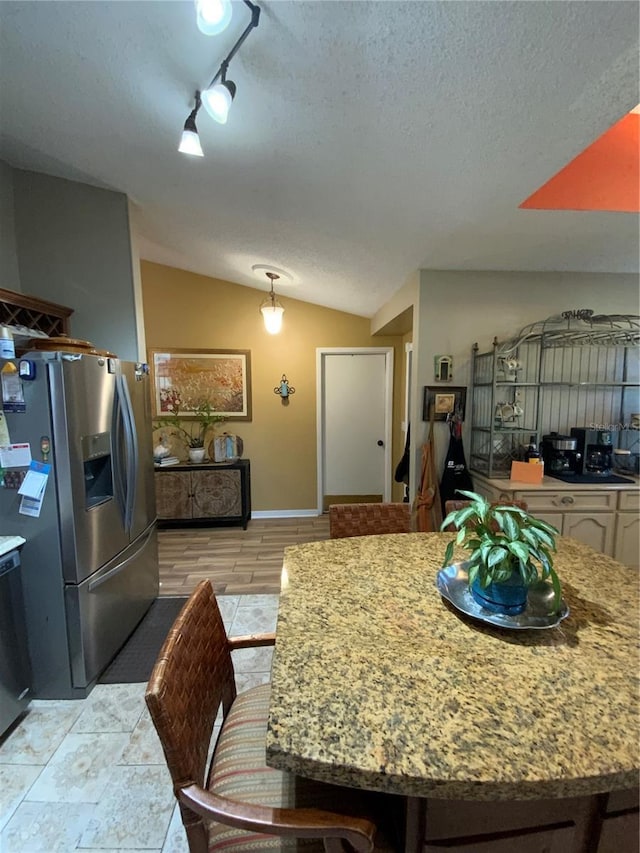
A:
[(271, 309), (213, 16), (217, 100)]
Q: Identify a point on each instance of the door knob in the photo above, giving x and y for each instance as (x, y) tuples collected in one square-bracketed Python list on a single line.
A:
[(380, 443)]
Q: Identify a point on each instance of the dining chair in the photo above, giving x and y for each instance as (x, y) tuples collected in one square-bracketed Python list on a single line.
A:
[(455, 505), (237, 804), (365, 519)]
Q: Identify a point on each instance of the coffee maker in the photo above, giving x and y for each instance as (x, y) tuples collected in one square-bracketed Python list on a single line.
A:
[(560, 454), (596, 449)]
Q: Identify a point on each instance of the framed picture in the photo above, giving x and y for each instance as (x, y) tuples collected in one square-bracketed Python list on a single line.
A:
[(186, 378), (445, 401)]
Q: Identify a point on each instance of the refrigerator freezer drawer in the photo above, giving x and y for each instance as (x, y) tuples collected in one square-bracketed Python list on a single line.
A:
[(104, 609)]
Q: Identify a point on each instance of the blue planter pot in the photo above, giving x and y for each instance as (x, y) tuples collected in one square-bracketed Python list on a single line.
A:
[(508, 597)]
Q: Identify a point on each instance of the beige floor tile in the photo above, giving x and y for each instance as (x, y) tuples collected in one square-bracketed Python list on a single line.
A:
[(45, 827), (15, 781), (40, 733), (135, 810), (80, 769)]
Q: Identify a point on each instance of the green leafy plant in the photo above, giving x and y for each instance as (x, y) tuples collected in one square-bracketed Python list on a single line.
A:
[(204, 418), (502, 540)]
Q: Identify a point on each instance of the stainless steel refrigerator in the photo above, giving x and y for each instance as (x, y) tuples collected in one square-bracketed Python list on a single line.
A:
[(90, 562)]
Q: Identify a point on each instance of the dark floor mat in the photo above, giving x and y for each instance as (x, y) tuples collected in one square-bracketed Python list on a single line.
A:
[(135, 660)]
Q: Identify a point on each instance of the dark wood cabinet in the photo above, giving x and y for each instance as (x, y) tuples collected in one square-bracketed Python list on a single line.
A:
[(210, 493), (18, 309)]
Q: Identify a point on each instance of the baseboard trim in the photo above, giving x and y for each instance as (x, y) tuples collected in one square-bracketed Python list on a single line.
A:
[(285, 513)]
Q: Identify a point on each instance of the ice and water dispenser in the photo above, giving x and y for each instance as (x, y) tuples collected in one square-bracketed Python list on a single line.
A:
[(98, 477)]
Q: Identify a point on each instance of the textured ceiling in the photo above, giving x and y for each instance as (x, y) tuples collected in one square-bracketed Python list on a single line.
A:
[(367, 139)]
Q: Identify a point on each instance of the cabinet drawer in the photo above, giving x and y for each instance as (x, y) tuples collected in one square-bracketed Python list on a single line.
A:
[(603, 501), (629, 501)]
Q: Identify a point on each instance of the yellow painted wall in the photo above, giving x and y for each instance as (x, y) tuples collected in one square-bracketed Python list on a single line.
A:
[(183, 309)]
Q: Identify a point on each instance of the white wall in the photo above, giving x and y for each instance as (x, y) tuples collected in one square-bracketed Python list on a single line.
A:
[(10, 276), (456, 309), (74, 248)]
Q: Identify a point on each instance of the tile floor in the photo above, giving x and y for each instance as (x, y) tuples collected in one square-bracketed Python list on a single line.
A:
[(90, 775)]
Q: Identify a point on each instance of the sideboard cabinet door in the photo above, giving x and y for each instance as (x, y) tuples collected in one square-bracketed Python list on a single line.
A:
[(173, 494), (216, 493)]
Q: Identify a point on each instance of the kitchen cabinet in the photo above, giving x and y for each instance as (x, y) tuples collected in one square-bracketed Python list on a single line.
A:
[(17, 309), (605, 518), (204, 494), (576, 370), (627, 536)]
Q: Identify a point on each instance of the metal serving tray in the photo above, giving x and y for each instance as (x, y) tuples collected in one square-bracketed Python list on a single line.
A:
[(452, 583)]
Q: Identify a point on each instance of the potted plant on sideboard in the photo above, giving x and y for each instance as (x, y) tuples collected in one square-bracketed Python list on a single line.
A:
[(204, 416), (510, 552)]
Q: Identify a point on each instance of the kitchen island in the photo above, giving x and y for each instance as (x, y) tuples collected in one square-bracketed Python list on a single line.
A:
[(499, 740)]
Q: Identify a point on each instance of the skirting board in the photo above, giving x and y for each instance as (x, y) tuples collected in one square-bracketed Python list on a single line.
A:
[(284, 513)]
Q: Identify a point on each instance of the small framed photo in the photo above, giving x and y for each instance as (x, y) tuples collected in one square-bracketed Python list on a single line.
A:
[(444, 402)]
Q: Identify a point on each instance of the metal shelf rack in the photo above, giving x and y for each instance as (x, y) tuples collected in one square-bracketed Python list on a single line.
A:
[(576, 369)]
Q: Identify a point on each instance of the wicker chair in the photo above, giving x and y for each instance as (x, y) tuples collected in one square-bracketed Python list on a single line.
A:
[(368, 518), (454, 506), (238, 804)]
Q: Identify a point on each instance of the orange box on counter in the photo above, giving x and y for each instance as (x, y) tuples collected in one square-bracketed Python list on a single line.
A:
[(527, 472)]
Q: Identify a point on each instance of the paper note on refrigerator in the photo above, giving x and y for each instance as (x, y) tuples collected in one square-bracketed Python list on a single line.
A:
[(33, 485), (15, 455), (33, 488)]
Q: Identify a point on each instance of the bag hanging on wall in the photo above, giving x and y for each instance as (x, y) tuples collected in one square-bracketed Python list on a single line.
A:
[(427, 516), (456, 474)]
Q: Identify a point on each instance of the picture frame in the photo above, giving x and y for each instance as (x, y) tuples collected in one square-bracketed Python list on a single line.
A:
[(446, 400), (188, 377)]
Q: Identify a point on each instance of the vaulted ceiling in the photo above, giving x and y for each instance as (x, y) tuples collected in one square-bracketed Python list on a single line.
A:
[(366, 140)]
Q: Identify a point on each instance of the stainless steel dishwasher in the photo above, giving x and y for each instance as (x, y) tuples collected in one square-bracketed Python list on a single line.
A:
[(15, 670)]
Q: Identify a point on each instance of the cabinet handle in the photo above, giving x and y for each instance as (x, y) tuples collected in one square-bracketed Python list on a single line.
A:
[(567, 499)]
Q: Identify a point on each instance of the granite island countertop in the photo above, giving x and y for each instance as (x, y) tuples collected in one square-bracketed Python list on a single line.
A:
[(378, 683)]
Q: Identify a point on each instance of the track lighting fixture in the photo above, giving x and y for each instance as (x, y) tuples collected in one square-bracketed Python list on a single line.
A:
[(213, 16), (219, 94), (271, 309), (190, 141), (218, 98)]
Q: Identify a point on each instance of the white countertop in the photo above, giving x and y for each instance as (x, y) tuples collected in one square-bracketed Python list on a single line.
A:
[(9, 543)]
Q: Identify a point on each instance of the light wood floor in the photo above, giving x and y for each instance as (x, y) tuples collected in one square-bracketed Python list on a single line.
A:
[(237, 561)]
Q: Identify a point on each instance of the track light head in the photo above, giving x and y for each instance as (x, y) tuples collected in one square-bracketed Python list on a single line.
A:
[(213, 16), (190, 141), (217, 100)]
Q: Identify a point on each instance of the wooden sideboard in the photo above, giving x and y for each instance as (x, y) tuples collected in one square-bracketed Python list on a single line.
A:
[(204, 494)]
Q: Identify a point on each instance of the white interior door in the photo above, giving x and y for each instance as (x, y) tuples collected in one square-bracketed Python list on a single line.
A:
[(355, 423)]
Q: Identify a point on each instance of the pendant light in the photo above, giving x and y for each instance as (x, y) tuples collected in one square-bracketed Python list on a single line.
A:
[(271, 309)]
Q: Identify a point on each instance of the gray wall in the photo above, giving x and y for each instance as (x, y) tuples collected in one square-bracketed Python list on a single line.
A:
[(74, 247), (9, 274)]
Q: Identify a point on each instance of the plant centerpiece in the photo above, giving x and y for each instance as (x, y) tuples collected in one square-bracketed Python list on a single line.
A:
[(510, 552), (203, 417)]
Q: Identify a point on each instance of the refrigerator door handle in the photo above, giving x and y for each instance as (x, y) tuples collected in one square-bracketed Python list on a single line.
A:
[(93, 585), (131, 444), (119, 453)]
